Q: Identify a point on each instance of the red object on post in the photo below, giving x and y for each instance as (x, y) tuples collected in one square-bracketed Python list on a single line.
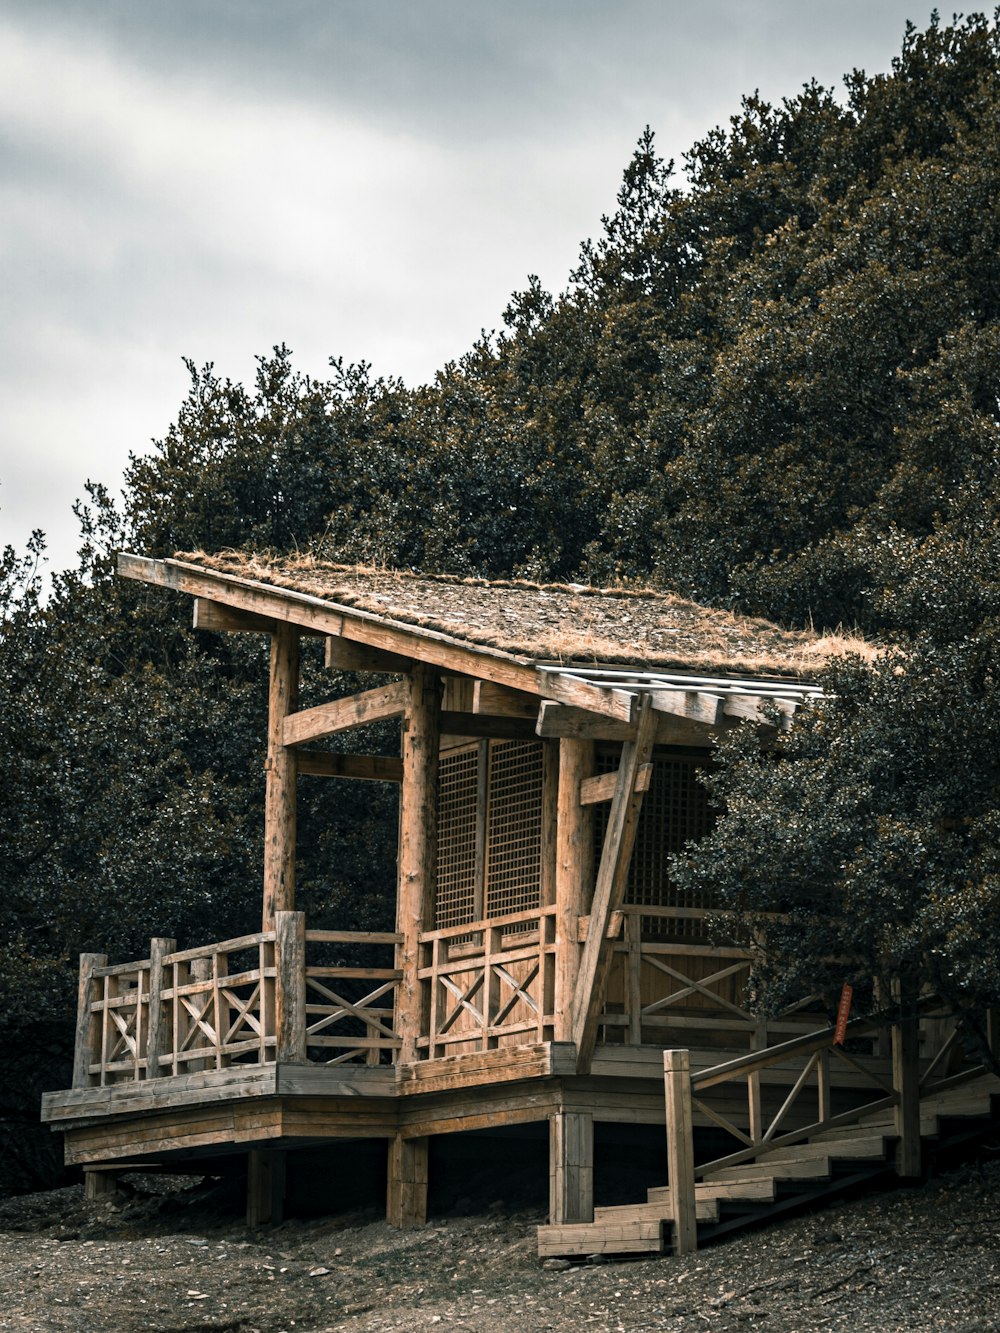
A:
[(843, 1014)]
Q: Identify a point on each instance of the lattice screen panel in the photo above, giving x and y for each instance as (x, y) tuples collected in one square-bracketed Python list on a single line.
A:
[(514, 828), (675, 810), (456, 870)]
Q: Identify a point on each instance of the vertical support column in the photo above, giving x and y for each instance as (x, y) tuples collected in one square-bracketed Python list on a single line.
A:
[(406, 1192), (156, 1031), (99, 1183), (265, 1186), (290, 986), (571, 1167), (574, 873), (279, 800), (906, 1082), (87, 1042), (417, 846), (755, 1117), (680, 1150)]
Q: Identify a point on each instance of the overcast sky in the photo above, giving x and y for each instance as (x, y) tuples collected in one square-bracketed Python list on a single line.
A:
[(359, 178)]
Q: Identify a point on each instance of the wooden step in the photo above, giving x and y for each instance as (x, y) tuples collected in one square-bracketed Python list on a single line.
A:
[(752, 1190), (706, 1210), (639, 1236), (809, 1168), (850, 1147)]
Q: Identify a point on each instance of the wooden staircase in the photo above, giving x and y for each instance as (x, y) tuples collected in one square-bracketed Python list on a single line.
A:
[(784, 1179)]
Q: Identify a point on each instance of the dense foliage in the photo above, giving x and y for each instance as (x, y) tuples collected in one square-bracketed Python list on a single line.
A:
[(771, 385)]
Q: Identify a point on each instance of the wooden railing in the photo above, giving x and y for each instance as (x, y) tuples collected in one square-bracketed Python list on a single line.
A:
[(488, 983), (805, 1061), (349, 1007), (661, 988), (244, 1001)]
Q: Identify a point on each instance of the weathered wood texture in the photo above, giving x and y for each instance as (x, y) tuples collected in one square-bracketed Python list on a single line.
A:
[(680, 1150), (279, 799), (609, 890), (362, 767), (86, 1044), (571, 1167), (265, 1186), (356, 710), (417, 861), (157, 1029), (574, 874), (290, 986), (906, 1085), (406, 1192)]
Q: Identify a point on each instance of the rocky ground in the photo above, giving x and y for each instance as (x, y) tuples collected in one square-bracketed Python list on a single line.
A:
[(170, 1256)]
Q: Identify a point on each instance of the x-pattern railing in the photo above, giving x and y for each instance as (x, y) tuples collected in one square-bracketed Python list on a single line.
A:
[(350, 1008), (488, 982)]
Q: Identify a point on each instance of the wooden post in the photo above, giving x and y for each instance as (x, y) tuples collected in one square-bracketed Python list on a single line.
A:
[(99, 1183), (265, 1186), (755, 1117), (417, 846), (156, 1030), (406, 1193), (573, 872), (609, 888), (86, 1045), (906, 1082), (279, 799), (680, 1150), (571, 1167), (290, 986)]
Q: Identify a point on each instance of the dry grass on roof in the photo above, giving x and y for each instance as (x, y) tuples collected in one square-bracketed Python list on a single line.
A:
[(553, 622)]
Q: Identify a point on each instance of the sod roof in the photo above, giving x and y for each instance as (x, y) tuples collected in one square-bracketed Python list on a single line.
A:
[(552, 623)]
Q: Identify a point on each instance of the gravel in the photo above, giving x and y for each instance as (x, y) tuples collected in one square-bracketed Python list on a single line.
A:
[(166, 1256)]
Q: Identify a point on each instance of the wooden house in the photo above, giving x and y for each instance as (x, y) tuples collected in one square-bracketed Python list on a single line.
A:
[(540, 964)]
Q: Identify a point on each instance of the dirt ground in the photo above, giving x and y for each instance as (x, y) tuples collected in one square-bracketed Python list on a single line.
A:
[(166, 1256)]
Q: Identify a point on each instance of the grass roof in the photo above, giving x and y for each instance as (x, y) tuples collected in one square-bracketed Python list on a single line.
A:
[(566, 624)]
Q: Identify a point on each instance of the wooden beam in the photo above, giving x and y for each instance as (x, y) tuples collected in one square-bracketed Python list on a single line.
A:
[(346, 655), (694, 705), (290, 987), (357, 710), (265, 1186), (609, 891), (226, 619), (499, 700), (750, 708), (364, 767), (558, 721), (620, 705), (85, 1046), (602, 787), (417, 861), (492, 726), (906, 1084), (574, 874), (156, 1029), (279, 797)]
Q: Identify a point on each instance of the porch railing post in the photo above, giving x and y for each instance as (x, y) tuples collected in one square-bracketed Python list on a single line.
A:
[(87, 1041), (680, 1150), (156, 1029), (906, 1083), (290, 986)]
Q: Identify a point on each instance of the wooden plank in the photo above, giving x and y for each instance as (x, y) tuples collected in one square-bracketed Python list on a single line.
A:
[(500, 701), (224, 619), (346, 655), (157, 1033), (620, 705), (361, 767), (694, 705), (493, 726), (571, 1167), (680, 1150), (265, 1186), (357, 710), (290, 986), (641, 1237), (609, 890), (406, 1193), (86, 1041), (279, 798), (602, 787), (906, 1084), (574, 874), (558, 721), (417, 861)]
